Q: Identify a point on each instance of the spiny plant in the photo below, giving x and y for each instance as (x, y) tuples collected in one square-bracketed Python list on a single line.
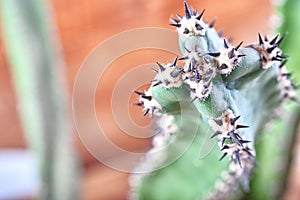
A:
[(230, 92)]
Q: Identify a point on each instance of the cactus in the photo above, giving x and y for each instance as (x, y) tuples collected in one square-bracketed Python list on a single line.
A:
[(37, 70), (230, 92), (266, 183)]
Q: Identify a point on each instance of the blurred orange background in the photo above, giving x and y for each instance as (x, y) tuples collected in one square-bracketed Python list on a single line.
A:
[(82, 25)]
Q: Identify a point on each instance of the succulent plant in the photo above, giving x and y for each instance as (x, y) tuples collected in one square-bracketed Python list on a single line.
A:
[(230, 92)]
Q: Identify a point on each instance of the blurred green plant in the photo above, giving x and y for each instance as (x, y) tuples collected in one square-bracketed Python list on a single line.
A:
[(231, 92), (274, 154), (37, 68)]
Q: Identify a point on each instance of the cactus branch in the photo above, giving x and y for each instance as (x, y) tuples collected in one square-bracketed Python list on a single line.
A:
[(232, 90)]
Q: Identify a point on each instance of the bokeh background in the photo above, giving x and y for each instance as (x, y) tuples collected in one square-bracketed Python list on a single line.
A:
[(81, 26)]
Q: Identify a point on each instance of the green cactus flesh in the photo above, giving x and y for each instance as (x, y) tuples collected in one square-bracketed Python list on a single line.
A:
[(220, 94)]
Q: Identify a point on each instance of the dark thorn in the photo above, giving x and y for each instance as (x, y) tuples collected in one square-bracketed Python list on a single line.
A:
[(216, 54), (241, 126), (245, 141), (241, 55), (264, 58), (179, 16), (223, 141), (207, 84), (269, 50), (221, 33), (194, 99), (189, 51), (176, 25), (187, 11), (239, 45), (138, 104), (154, 70), (215, 134), (276, 59), (261, 42), (225, 147), (204, 92), (194, 12), (201, 14), (225, 44), (231, 54), (156, 84), (234, 137), (186, 31), (190, 67), (288, 75), (199, 27), (218, 121), (167, 82), (233, 120), (223, 156), (212, 23), (175, 20), (192, 90), (281, 39), (149, 98), (139, 93), (273, 41), (248, 152), (282, 56), (175, 61), (202, 99), (146, 112), (174, 74), (183, 58), (160, 66), (237, 155), (238, 136), (223, 66), (289, 88), (198, 78), (266, 39), (152, 112)]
